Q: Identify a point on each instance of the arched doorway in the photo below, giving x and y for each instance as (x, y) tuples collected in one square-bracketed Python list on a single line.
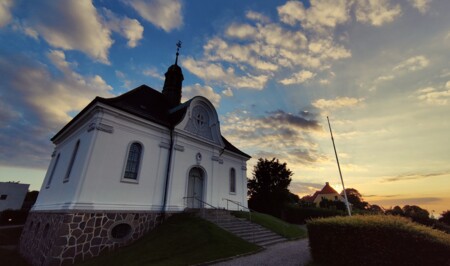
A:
[(195, 188)]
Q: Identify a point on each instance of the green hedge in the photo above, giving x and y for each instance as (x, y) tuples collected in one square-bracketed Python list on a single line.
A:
[(376, 240), (299, 215)]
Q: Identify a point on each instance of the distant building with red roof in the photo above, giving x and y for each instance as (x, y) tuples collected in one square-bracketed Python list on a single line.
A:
[(327, 192)]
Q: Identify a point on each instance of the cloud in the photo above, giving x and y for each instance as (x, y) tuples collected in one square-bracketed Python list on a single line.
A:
[(164, 14), (153, 72), (297, 78), (338, 103), (128, 28), (7, 114), (227, 92), (418, 201), (240, 31), (199, 90), (321, 14), (215, 72), (248, 54), (433, 96), (278, 117), (376, 12), (290, 133), (421, 5), (384, 78), (304, 188), (413, 64), (44, 101), (414, 176), (5, 12), (122, 77), (72, 25), (256, 16)]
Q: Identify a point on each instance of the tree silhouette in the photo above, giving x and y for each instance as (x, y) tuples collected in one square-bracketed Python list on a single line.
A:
[(445, 217), (395, 211), (268, 189), (355, 198)]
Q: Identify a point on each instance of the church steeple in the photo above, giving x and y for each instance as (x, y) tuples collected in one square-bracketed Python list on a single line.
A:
[(173, 83)]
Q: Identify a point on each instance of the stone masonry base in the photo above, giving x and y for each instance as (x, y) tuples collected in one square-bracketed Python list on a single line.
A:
[(64, 238)]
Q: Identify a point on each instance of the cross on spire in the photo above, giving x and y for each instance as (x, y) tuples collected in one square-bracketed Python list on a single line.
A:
[(178, 49)]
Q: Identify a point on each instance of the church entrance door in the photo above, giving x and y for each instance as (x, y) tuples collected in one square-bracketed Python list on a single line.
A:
[(195, 188)]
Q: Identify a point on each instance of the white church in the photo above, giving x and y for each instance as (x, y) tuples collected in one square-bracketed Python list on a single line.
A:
[(124, 163)]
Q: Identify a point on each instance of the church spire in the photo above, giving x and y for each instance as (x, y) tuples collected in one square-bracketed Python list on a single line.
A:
[(178, 49), (173, 83)]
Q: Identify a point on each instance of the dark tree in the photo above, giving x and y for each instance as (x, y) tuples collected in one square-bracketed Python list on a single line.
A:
[(30, 199), (332, 204), (325, 203), (395, 211), (294, 198), (445, 217), (355, 198), (375, 209), (32, 196), (268, 189), (417, 214)]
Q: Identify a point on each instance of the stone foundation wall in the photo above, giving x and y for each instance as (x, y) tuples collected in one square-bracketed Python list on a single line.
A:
[(52, 238)]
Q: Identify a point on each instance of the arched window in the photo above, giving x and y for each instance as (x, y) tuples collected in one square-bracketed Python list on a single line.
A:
[(232, 180), (53, 171), (133, 161), (72, 160)]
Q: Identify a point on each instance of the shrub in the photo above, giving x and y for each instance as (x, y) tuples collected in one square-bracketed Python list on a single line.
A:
[(376, 240), (441, 226), (445, 217), (299, 215)]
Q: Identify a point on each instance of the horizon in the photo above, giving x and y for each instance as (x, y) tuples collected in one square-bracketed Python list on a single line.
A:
[(274, 71)]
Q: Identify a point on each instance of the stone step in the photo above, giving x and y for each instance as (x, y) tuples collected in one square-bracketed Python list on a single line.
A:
[(235, 224), (243, 230), (264, 241), (241, 227), (258, 233), (271, 242)]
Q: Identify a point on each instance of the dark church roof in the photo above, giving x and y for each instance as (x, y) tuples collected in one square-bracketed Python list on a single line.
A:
[(144, 102), (150, 105)]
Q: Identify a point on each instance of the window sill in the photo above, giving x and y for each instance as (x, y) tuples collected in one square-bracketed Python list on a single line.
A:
[(131, 181), (232, 193)]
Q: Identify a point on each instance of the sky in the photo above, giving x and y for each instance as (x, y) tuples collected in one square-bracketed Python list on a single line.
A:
[(274, 70)]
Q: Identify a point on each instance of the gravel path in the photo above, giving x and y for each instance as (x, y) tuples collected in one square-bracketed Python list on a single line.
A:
[(287, 253)]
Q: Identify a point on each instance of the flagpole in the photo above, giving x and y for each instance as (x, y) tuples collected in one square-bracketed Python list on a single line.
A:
[(339, 167)]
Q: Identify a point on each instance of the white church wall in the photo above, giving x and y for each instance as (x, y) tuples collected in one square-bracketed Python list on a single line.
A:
[(61, 189), (96, 181), (105, 188), (216, 168), (185, 156), (232, 161)]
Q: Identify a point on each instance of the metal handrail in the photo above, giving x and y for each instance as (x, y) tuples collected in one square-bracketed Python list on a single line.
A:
[(249, 212), (203, 208), (237, 203), (201, 201)]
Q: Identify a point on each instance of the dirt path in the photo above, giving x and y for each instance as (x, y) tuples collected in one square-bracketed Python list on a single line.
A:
[(287, 253)]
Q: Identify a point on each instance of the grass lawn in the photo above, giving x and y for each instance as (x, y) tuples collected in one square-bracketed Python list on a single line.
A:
[(182, 240), (289, 231)]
